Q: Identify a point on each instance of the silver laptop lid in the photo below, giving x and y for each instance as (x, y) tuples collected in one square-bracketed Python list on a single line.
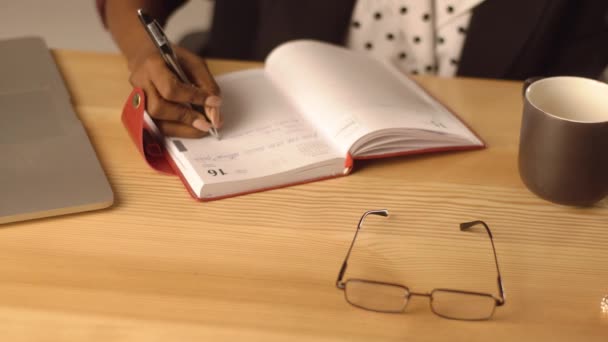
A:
[(47, 164)]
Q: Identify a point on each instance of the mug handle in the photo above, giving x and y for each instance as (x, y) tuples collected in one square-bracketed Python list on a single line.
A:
[(529, 82)]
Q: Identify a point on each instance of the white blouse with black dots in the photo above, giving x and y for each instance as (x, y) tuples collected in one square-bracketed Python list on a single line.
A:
[(417, 36)]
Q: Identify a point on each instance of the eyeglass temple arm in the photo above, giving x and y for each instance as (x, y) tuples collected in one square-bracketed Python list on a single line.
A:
[(380, 212), (465, 226)]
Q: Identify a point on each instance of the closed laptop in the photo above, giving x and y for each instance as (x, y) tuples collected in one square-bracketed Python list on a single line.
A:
[(47, 164)]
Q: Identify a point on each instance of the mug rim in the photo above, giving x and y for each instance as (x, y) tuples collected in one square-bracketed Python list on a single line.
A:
[(553, 78)]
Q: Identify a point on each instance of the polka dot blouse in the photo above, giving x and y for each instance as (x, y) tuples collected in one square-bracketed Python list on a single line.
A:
[(417, 36)]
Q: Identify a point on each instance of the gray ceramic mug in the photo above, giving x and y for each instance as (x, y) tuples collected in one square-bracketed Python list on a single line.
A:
[(563, 146)]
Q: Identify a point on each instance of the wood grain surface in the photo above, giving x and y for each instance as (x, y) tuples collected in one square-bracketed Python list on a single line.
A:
[(159, 266)]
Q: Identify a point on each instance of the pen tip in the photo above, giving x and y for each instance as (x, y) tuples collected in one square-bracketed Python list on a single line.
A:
[(215, 133)]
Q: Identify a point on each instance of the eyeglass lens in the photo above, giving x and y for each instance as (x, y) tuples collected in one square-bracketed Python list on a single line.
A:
[(376, 296), (462, 305)]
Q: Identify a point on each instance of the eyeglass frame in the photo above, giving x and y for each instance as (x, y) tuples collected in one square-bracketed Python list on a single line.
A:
[(340, 284)]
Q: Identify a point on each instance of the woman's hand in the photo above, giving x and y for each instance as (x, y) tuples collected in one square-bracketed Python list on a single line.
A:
[(168, 99)]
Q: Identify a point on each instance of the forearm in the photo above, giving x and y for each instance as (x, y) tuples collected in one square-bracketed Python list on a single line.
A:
[(127, 31)]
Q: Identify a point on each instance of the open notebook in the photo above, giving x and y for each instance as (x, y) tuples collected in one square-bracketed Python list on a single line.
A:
[(305, 116)]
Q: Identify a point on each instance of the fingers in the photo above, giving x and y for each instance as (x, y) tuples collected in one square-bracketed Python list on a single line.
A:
[(163, 110), (172, 89), (168, 99), (199, 73)]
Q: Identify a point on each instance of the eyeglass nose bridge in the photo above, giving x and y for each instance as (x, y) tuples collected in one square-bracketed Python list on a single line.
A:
[(419, 294), (428, 295), (411, 294)]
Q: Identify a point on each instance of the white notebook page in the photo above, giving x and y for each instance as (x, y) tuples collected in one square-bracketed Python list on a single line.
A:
[(350, 95)]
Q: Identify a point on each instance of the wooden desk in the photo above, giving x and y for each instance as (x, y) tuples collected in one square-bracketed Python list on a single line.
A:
[(159, 266)]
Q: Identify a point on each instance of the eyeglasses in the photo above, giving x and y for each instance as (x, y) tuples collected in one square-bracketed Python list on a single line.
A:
[(393, 298)]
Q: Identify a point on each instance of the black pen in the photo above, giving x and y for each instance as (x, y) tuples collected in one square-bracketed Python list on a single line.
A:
[(160, 40)]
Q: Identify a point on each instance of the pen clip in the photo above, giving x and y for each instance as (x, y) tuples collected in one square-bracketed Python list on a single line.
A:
[(157, 34)]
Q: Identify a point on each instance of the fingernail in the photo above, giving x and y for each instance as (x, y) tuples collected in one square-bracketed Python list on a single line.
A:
[(201, 125), (220, 119), (213, 115), (213, 101)]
